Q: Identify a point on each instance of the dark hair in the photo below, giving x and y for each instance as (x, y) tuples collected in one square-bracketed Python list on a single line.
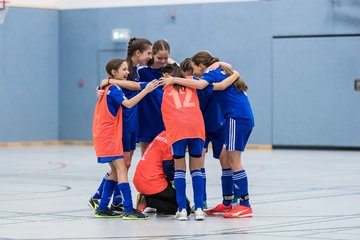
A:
[(135, 44), (206, 59), (175, 71), (185, 65), (113, 64), (158, 46)]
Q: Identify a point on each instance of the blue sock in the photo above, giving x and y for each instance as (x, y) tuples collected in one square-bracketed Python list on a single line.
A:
[(98, 193), (203, 172), (227, 185), (241, 187), (117, 198), (109, 186), (126, 194), (198, 188), (180, 186)]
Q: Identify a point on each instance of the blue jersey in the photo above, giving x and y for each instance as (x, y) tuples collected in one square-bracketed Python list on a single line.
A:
[(130, 123), (114, 99), (233, 103), (149, 108), (209, 106)]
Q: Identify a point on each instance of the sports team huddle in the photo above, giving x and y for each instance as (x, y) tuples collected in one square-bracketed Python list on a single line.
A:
[(170, 109)]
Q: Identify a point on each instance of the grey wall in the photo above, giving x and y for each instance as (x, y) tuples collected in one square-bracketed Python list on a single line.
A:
[(29, 75), (300, 87)]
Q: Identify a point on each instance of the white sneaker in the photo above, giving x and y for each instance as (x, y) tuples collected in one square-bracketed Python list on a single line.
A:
[(181, 216), (199, 214)]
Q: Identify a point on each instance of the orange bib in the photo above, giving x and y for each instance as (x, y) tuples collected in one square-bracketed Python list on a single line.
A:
[(107, 129), (181, 114)]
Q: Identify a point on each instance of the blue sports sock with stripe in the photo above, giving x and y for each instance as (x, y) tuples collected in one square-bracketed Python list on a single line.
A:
[(117, 198), (98, 193), (241, 187), (180, 186), (198, 188), (227, 185), (126, 193), (203, 172), (109, 186)]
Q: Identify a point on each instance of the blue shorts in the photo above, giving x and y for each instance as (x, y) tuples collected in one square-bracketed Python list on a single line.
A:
[(129, 141), (238, 131), (217, 140), (108, 159), (147, 139), (195, 147)]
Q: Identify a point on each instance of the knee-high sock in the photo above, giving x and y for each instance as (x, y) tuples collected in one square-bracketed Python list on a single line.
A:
[(203, 172), (98, 193), (241, 187), (109, 186), (180, 186), (198, 188), (126, 194), (117, 198), (227, 185)]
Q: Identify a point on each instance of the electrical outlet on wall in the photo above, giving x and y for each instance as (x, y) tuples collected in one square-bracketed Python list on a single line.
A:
[(357, 84)]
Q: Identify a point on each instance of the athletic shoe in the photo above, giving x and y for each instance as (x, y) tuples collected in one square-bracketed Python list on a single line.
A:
[(140, 202), (117, 208), (239, 212), (181, 216), (107, 213), (199, 214), (93, 203), (204, 207), (149, 209), (220, 208), (134, 215)]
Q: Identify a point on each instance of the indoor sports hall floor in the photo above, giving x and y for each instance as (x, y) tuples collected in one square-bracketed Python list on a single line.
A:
[(295, 194)]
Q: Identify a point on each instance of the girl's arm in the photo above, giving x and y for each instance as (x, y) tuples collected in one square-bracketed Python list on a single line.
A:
[(227, 81), (134, 100), (219, 64), (187, 82), (131, 85)]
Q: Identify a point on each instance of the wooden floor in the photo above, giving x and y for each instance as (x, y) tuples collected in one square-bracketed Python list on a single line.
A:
[(295, 194)]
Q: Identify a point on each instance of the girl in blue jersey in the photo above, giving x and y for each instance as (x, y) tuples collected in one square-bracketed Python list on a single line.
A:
[(107, 130), (138, 53), (237, 111), (214, 126), (149, 115)]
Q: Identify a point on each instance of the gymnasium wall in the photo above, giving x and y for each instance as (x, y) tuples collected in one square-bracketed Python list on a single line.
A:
[(298, 57), (29, 75)]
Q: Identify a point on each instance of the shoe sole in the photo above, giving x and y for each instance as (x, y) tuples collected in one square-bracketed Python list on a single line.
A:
[(212, 214), (249, 215), (128, 218), (200, 218), (182, 219), (100, 216)]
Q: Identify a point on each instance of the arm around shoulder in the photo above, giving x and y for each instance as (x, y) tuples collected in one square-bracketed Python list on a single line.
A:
[(227, 81)]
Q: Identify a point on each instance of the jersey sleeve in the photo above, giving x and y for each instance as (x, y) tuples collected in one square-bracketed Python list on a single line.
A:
[(116, 93), (209, 76)]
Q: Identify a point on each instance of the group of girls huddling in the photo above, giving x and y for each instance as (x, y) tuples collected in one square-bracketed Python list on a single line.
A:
[(170, 109)]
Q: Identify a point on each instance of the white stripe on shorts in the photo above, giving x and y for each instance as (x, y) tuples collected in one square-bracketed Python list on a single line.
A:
[(232, 134)]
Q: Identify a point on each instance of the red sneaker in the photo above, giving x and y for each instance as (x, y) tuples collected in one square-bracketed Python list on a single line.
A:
[(239, 212), (220, 208)]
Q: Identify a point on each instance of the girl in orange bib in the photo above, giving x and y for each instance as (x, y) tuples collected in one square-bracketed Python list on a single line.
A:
[(107, 138), (184, 129)]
